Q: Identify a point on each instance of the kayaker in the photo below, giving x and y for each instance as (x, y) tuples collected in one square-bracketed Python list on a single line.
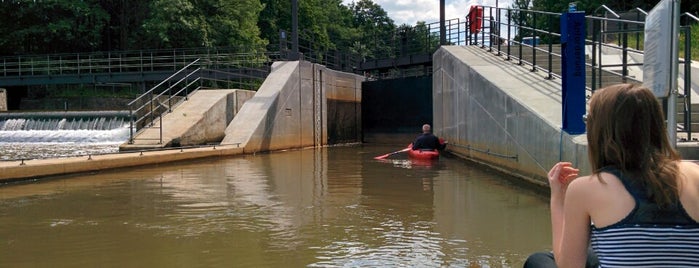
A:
[(428, 141)]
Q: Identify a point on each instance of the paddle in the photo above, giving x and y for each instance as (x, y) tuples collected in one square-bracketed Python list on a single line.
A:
[(390, 154)]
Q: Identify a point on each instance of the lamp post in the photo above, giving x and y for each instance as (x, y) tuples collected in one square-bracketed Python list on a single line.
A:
[(295, 30), (442, 27)]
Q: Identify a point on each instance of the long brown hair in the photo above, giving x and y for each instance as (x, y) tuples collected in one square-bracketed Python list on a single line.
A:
[(626, 129)]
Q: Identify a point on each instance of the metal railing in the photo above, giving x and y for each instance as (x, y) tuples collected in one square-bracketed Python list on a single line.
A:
[(393, 47), (149, 106), (148, 109), (535, 38), (26, 67)]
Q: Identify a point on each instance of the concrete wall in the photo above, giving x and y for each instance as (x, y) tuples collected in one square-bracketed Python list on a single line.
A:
[(343, 104), (3, 100), (212, 123), (289, 109), (501, 114), (37, 168)]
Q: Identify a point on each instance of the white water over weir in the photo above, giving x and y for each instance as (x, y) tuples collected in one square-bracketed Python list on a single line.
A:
[(98, 123), (76, 127)]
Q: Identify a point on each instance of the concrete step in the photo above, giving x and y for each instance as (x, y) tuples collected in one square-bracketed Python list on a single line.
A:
[(694, 117), (680, 126)]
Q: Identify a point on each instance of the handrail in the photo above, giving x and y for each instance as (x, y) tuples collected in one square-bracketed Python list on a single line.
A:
[(79, 65), (163, 82), (138, 117), (606, 9), (151, 106), (640, 10), (690, 15)]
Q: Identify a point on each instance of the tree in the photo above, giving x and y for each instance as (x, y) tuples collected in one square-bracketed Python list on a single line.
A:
[(323, 24), (202, 23), (233, 23), (51, 26), (378, 30), (125, 21)]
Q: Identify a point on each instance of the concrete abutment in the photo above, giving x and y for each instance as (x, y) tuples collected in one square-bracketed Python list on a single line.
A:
[(500, 114)]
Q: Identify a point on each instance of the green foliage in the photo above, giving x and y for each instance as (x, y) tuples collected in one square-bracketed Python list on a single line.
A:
[(203, 23), (417, 39), (376, 27), (29, 27), (323, 24), (361, 27), (59, 26), (50, 26), (694, 42)]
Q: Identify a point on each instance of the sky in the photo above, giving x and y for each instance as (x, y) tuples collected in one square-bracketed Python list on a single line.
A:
[(412, 11)]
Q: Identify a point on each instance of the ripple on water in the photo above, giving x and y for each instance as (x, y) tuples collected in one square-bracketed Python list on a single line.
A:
[(396, 243)]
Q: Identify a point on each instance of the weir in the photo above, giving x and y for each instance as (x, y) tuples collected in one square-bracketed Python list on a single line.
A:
[(68, 126), (92, 120)]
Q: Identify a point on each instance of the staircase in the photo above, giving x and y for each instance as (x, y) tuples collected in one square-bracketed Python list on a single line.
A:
[(540, 59)]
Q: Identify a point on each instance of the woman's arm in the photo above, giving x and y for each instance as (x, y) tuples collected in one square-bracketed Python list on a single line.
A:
[(576, 226), (570, 224)]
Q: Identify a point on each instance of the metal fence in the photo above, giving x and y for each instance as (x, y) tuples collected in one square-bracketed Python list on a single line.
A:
[(532, 38)]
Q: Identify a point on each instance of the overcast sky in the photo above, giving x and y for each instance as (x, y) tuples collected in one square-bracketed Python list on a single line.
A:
[(412, 11)]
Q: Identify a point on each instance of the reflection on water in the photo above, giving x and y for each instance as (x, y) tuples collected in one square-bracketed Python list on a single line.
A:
[(335, 207)]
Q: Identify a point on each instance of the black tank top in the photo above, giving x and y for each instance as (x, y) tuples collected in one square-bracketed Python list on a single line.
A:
[(646, 210)]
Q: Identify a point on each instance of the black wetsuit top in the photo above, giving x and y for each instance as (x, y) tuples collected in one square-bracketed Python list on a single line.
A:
[(426, 141)]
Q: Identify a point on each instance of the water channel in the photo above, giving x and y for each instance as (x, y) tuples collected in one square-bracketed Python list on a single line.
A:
[(330, 207)]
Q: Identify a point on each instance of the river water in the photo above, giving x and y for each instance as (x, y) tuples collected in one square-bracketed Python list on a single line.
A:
[(331, 207)]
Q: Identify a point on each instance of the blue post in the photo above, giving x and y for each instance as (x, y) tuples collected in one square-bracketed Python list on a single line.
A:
[(573, 67)]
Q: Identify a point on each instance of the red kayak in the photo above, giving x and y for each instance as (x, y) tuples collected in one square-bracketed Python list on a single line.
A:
[(422, 154)]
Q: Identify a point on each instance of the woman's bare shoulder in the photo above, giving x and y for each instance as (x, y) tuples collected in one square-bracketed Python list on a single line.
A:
[(602, 187), (603, 179), (689, 191), (604, 197), (690, 172), (690, 165)]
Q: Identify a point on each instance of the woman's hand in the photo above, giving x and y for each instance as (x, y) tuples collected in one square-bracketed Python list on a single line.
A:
[(560, 175), (569, 220)]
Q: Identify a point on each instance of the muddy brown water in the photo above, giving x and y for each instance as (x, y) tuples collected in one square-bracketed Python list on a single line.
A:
[(330, 207)]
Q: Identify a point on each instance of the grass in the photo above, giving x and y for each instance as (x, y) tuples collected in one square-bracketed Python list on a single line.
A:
[(694, 42)]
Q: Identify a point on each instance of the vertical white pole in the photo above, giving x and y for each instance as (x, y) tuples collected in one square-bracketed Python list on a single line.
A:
[(674, 53)]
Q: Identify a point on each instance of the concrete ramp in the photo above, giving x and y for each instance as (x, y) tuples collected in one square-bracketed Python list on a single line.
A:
[(199, 120), (274, 112)]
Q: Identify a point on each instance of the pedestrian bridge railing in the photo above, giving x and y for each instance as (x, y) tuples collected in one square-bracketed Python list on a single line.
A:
[(131, 66)]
